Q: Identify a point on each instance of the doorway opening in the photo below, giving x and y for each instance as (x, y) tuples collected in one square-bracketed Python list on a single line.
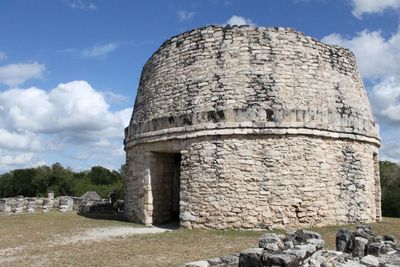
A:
[(165, 185)]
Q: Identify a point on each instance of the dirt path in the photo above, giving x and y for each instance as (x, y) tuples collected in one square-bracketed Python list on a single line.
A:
[(104, 233), (91, 235)]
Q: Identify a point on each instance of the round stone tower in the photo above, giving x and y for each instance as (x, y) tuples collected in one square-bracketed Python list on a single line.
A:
[(243, 127)]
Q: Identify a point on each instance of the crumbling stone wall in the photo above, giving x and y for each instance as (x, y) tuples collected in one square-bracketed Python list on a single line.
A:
[(21, 204), (273, 127)]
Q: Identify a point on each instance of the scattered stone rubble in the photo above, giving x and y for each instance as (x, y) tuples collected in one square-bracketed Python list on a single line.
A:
[(358, 248)]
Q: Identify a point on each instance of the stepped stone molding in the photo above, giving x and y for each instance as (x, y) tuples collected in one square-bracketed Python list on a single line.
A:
[(276, 121), (273, 129)]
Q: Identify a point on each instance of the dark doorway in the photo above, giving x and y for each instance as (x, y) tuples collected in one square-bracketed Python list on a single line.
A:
[(165, 185)]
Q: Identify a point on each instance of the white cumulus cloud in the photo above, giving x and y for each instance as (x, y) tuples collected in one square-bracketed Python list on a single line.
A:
[(68, 107), (385, 98), (390, 150), (81, 4), (71, 119), (15, 160), (361, 7), (184, 15), (18, 141), (16, 74), (100, 50), (238, 20)]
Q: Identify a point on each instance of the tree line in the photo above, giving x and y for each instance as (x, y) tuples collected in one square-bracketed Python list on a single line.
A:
[(390, 186), (38, 181)]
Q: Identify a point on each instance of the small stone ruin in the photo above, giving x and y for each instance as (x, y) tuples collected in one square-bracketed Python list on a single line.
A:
[(20, 204), (88, 203), (358, 248)]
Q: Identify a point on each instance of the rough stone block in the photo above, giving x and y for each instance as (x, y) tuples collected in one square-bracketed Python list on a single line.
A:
[(251, 257), (197, 264), (344, 240), (271, 242), (279, 259), (231, 260), (360, 245), (374, 249), (370, 261)]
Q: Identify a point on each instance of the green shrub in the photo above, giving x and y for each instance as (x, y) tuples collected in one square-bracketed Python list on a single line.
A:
[(390, 186)]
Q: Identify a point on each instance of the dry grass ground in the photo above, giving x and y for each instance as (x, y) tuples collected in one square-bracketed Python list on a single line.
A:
[(50, 240)]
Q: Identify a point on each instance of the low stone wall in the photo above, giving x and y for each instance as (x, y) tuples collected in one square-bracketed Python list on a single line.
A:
[(359, 248), (20, 204)]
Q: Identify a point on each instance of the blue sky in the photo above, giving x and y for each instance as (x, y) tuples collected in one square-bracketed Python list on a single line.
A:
[(69, 69)]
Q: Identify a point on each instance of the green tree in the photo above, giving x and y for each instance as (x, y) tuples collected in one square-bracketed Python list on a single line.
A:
[(41, 180), (22, 182), (390, 185), (6, 187), (102, 176), (62, 181)]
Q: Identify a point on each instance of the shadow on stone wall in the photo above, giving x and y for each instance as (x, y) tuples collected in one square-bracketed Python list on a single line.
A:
[(102, 209)]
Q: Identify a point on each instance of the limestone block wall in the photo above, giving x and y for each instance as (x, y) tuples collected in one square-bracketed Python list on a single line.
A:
[(253, 182), (243, 77), (262, 181)]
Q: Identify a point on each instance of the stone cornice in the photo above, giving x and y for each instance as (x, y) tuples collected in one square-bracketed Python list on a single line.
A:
[(328, 123), (185, 133)]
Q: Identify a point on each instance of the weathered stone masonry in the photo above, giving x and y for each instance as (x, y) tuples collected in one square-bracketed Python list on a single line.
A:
[(241, 127)]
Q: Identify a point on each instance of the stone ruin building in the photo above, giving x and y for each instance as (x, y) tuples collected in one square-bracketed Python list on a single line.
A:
[(243, 127)]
